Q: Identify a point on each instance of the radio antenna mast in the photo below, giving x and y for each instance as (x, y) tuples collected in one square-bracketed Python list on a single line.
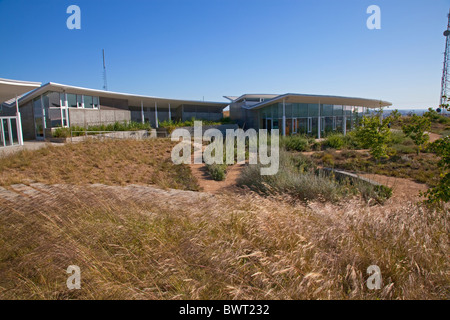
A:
[(445, 85), (105, 83)]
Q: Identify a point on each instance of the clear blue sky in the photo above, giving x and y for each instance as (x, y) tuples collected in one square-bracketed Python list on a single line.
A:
[(194, 48)]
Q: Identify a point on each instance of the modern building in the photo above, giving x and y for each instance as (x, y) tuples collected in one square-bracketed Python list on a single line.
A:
[(34, 114), (300, 113), (10, 123), (56, 105)]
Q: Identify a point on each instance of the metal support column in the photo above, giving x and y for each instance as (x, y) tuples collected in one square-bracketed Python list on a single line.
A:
[(142, 112), (284, 118), (170, 114), (156, 115), (19, 123), (319, 120)]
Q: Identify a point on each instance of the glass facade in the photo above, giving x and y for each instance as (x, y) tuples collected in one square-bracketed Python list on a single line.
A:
[(303, 118), (51, 109)]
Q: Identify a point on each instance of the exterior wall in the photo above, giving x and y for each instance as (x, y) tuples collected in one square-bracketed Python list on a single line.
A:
[(8, 111), (201, 113), (26, 114), (237, 113), (113, 104), (87, 117)]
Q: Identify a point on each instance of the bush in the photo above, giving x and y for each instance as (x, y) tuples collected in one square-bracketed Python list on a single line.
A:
[(172, 125), (61, 133), (76, 131), (295, 143), (441, 192), (416, 130), (296, 177), (217, 171), (368, 191), (328, 159), (403, 149), (374, 134), (335, 141)]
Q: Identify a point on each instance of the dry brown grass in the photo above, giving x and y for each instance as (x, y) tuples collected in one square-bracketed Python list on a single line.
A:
[(116, 162), (223, 247)]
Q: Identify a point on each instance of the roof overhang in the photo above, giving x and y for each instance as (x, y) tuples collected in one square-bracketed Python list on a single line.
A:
[(336, 100), (264, 96), (133, 99), (9, 89)]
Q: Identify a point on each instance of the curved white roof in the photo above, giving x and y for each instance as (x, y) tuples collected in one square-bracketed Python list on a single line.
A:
[(323, 99), (10, 89)]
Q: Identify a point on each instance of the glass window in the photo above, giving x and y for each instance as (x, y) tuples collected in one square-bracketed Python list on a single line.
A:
[(37, 108), (62, 98), (79, 101), (51, 100), (45, 100), (313, 110), (14, 131), (348, 110), (337, 110), (275, 124), (302, 110), (88, 102), (96, 102), (327, 110), (288, 110), (72, 100)]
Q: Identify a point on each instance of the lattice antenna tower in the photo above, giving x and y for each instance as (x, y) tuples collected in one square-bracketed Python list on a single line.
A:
[(105, 83), (445, 85)]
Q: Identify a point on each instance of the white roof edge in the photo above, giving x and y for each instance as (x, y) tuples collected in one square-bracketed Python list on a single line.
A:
[(20, 83), (99, 92), (231, 98), (256, 106)]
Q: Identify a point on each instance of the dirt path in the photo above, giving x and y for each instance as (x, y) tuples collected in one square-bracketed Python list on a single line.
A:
[(207, 184), (434, 136), (401, 188)]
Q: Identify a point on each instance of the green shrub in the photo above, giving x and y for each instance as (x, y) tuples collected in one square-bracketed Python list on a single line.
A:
[(416, 130), (217, 171), (296, 177), (335, 141), (172, 125), (295, 143), (403, 149), (328, 159), (368, 191), (61, 133), (76, 131), (374, 134)]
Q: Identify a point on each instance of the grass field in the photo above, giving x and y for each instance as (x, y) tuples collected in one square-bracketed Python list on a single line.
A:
[(223, 247), (116, 162), (141, 242)]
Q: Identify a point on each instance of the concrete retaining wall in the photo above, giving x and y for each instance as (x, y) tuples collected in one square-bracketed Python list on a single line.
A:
[(341, 175), (137, 135), (89, 117)]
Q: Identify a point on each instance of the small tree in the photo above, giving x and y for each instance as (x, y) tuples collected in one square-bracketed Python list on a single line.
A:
[(416, 129), (442, 191), (431, 114), (395, 116), (374, 133)]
